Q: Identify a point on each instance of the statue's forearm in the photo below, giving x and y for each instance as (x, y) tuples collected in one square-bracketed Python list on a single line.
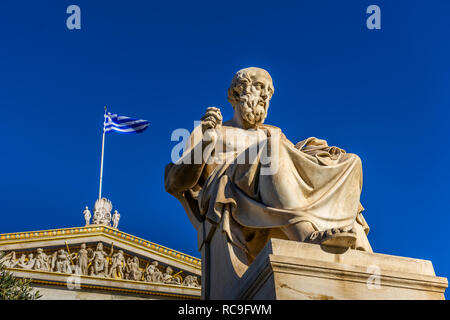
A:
[(185, 174), (182, 177)]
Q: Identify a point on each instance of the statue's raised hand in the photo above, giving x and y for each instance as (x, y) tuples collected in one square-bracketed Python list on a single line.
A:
[(212, 119)]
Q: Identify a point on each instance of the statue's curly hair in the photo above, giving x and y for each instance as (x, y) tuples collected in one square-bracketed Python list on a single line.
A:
[(233, 96)]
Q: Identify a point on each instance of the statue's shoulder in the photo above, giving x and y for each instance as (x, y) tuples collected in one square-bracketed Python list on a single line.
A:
[(269, 126), (226, 126), (275, 128)]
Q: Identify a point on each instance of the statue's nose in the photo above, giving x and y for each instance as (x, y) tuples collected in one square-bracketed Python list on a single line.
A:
[(264, 94)]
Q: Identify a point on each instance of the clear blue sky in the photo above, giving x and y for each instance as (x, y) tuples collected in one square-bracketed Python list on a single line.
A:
[(382, 94)]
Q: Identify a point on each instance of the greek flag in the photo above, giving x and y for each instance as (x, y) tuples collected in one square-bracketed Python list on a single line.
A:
[(114, 122)]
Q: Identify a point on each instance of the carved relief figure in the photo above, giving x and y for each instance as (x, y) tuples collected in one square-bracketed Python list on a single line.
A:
[(191, 281), (62, 261), (169, 278), (21, 262), (132, 269), (82, 260), (99, 261), (42, 261), (153, 274), (8, 259), (118, 261), (26, 261)]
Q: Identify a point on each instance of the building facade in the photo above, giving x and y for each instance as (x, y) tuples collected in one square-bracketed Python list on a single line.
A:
[(99, 262)]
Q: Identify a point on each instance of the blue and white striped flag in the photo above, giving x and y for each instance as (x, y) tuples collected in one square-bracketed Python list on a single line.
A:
[(114, 122)]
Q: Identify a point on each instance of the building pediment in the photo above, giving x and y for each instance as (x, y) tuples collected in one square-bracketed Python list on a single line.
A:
[(101, 259)]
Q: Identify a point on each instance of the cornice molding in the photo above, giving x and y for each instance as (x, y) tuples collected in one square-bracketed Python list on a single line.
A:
[(107, 284)]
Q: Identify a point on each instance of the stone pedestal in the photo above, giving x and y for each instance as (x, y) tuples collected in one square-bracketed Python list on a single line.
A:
[(292, 270)]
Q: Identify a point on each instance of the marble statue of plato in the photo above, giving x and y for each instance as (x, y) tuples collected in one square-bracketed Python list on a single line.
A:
[(254, 184)]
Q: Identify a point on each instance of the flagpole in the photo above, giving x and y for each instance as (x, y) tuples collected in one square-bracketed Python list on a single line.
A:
[(101, 164)]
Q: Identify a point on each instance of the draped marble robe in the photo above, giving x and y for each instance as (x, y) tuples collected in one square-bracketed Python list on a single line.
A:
[(251, 198)]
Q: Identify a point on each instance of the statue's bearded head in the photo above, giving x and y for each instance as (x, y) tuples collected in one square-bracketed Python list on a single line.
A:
[(250, 92)]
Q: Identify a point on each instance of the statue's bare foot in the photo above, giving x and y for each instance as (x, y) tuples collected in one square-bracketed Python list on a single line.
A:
[(335, 237)]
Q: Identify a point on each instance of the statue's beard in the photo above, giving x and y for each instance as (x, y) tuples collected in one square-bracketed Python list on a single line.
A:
[(253, 109)]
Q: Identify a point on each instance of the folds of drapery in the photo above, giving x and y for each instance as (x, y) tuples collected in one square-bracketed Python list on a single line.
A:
[(313, 182)]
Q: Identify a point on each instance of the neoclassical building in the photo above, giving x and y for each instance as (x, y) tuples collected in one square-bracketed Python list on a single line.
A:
[(98, 261)]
